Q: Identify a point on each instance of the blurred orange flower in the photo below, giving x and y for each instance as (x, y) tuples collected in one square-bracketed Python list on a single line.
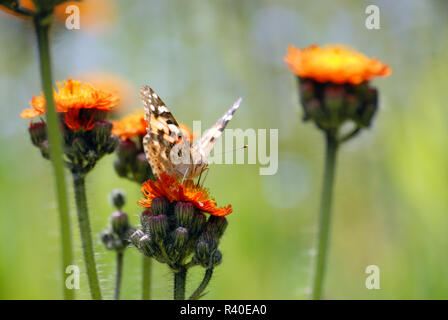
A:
[(335, 63), (133, 125), (95, 15), (111, 82), (72, 99), (168, 187)]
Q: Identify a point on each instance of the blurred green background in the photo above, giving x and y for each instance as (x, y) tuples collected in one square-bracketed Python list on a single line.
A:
[(391, 198)]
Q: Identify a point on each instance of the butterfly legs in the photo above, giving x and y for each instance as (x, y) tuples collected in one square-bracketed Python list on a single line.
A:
[(185, 174), (200, 175)]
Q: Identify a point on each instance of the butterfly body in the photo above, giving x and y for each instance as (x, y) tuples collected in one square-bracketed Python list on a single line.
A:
[(167, 148)]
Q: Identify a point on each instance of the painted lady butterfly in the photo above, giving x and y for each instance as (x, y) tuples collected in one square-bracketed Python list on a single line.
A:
[(167, 148)]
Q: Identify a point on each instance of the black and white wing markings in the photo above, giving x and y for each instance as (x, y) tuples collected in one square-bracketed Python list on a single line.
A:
[(206, 143)]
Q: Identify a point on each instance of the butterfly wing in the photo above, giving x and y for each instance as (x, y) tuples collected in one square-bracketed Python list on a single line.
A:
[(203, 147), (162, 134)]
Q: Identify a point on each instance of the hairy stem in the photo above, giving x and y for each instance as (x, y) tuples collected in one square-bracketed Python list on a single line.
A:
[(325, 215), (180, 278), (146, 281), (86, 235), (56, 156), (118, 275), (198, 292)]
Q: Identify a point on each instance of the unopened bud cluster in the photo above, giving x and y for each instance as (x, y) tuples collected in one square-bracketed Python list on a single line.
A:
[(82, 148), (117, 236), (330, 105), (179, 235), (131, 162)]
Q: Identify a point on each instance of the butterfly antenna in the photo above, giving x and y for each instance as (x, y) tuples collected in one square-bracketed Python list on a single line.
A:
[(199, 179), (206, 174), (235, 149)]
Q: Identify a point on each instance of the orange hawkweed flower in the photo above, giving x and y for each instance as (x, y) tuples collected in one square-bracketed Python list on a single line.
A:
[(80, 103), (168, 187), (111, 82), (335, 63), (133, 125)]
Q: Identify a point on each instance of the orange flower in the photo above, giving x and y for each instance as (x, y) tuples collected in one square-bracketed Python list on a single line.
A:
[(168, 187), (79, 102), (111, 82), (132, 125), (337, 64)]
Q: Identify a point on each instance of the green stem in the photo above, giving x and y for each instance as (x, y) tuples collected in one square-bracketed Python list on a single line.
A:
[(325, 215), (198, 292), (118, 275), (180, 278), (55, 140), (146, 281), (86, 235)]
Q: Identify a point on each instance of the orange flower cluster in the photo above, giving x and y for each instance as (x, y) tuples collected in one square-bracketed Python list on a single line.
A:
[(71, 99), (133, 125), (168, 187), (337, 64)]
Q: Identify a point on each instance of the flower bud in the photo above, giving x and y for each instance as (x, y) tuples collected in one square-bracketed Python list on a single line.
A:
[(79, 146), (180, 238), (185, 214), (120, 168), (367, 115), (199, 222), (205, 247), (111, 144), (45, 149), (144, 219), (98, 115), (142, 168), (216, 258), (330, 105), (160, 206), (372, 96), (38, 132), (313, 110), (334, 102), (120, 223), (145, 244), (126, 150), (352, 105), (135, 237), (216, 226), (334, 97), (91, 156), (101, 132), (108, 239), (306, 91), (117, 198), (158, 226)]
